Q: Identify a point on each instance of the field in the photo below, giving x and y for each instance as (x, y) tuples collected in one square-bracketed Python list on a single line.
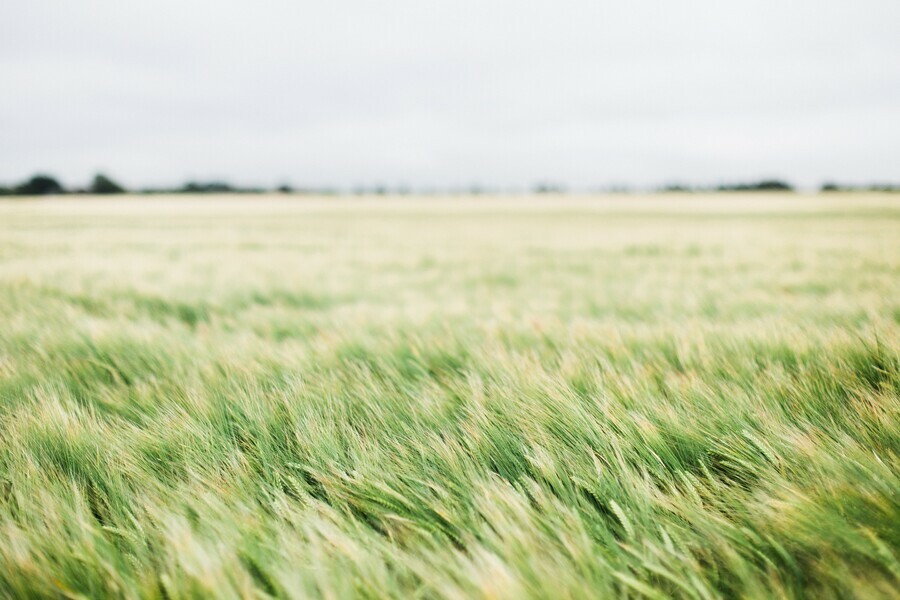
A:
[(674, 396)]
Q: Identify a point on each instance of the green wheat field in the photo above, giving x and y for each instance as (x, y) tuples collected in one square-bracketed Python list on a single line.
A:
[(547, 397)]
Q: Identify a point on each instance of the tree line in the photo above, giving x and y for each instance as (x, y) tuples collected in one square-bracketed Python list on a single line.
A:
[(45, 185), (774, 185)]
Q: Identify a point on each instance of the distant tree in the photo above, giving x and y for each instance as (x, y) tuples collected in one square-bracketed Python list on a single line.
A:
[(285, 189), (766, 185), (104, 185), (548, 188), (774, 185), (675, 187), (39, 185), (830, 187), (883, 187), (194, 187), (5, 191)]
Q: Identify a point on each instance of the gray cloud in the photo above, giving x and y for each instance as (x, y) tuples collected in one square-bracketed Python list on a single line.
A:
[(502, 93)]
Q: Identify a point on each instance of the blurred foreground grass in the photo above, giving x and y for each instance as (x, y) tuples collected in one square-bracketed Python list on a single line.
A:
[(639, 397)]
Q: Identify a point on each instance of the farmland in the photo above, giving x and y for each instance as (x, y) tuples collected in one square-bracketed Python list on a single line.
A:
[(635, 396)]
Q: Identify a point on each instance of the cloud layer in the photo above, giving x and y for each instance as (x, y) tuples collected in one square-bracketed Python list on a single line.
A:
[(350, 92)]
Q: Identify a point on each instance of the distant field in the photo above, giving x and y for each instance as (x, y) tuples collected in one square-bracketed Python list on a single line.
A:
[(674, 396)]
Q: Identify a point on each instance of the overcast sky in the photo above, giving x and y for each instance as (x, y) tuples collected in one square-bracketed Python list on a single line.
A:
[(500, 93)]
